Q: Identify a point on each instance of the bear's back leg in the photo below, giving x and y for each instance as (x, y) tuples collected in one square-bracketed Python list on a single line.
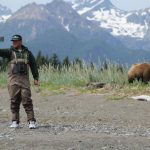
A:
[(146, 76)]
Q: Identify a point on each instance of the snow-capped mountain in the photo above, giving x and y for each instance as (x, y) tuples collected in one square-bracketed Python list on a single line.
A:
[(5, 13), (84, 6), (57, 14), (133, 24), (56, 27)]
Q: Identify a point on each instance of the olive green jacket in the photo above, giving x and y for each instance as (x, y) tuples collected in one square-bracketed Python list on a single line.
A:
[(7, 53)]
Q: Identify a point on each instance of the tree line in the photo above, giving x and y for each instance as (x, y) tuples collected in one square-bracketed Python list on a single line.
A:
[(54, 61), (58, 64)]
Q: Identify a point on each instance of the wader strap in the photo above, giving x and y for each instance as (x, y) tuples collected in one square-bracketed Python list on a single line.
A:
[(26, 58), (15, 57)]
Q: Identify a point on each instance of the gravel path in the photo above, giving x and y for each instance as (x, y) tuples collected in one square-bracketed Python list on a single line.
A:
[(74, 121)]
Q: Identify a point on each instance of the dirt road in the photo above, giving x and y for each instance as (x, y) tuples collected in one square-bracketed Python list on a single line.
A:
[(75, 121)]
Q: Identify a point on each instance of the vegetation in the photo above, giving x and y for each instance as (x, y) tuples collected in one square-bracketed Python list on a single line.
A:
[(56, 75)]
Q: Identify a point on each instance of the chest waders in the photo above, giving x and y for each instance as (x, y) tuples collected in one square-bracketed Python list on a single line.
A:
[(19, 86), (19, 66)]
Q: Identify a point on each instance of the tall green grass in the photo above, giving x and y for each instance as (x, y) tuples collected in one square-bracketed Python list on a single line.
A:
[(77, 76)]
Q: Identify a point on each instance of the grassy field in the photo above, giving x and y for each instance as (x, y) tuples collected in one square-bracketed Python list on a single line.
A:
[(76, 77)]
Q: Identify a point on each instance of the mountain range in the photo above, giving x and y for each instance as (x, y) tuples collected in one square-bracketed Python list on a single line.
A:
[(90, 29), (130, 27)]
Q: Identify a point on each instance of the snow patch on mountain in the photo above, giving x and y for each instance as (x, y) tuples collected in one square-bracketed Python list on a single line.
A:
[(5, 13), (117, 22), (67, 28), (107, 16), (86, 9), (4, 18)]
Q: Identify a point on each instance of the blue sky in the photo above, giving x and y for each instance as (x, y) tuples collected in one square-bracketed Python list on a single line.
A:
[(131, 4), (122, 4)]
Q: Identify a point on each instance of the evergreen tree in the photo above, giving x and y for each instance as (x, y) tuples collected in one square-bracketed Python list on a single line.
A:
[(42, 60), (55, 62), (66, 62), (77, 61)]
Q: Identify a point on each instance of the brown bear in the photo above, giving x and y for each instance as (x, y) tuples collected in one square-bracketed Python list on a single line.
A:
[(139, 72)]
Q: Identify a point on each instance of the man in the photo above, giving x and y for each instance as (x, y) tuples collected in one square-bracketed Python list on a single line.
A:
[(20, 59)]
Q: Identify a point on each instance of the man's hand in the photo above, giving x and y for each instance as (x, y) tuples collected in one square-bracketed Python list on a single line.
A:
[(36, 82)]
